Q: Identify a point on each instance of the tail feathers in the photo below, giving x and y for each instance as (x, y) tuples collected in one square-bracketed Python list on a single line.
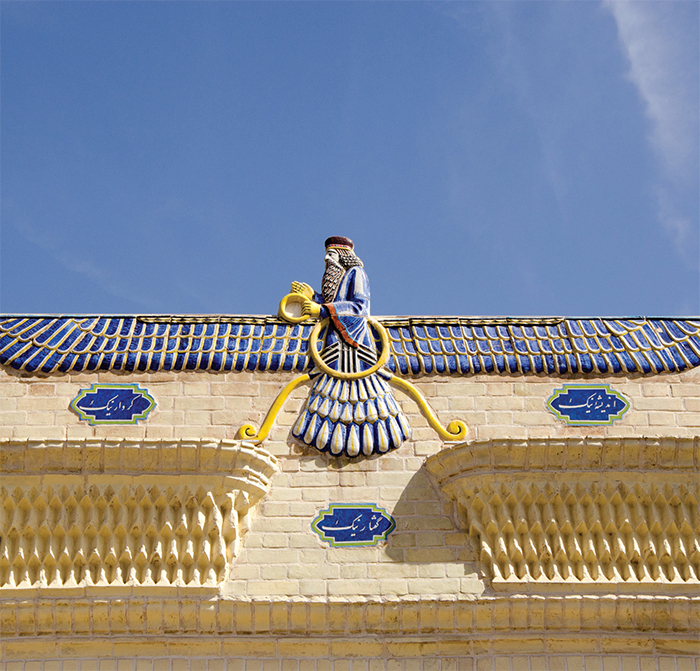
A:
[(351, 417)]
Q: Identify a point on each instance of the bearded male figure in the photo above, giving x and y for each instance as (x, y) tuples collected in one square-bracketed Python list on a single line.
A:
[(347, 416)]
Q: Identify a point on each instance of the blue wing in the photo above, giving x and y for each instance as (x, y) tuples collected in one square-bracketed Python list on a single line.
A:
[(433, 345), (465, 346), (50, 344)]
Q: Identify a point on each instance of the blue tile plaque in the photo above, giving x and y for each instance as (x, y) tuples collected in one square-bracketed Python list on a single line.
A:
[(587, 404), (351, 524), (113, 404)]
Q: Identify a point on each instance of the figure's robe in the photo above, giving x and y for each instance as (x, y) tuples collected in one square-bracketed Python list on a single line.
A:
[(349, 345), (350, 417)]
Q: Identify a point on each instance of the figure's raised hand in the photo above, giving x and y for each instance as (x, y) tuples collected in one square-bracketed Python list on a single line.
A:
[(303, 289), (311, 309)]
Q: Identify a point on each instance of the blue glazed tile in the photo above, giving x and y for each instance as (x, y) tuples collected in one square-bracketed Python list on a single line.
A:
[(35, 362), (626, 362), (50, 363), (579, 345), (216, 361), (98, 344), (592, 345), (14, 326), (93, 362), (573, 328), (586, 364), (227, 363), (587, 328), (549, 363), (418, 333), (274, 362), (687, 353), (19, 327), (58, 337), (67, 362), (30, 343)]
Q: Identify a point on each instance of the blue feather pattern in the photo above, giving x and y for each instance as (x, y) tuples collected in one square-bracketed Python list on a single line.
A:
[(351, 417), (419, 345)]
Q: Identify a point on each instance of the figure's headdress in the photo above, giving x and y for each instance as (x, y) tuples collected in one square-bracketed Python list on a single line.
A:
[(339, 242), (334, 272)]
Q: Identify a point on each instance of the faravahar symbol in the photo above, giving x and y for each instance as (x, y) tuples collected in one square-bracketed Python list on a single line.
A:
[(351, 410)]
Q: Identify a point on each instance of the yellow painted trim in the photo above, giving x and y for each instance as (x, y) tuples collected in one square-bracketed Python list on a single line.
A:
[(249, 432), (316, 356), (456, 430)]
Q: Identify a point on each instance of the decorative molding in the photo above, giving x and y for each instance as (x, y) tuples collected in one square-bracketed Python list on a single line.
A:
[(543, 524), (642, 618), (112, 515)]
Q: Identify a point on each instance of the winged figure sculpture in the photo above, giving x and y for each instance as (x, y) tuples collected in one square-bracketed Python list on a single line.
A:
[(352, 359)]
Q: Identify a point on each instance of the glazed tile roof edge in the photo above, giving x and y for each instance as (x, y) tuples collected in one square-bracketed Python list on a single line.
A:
[(446, 345)]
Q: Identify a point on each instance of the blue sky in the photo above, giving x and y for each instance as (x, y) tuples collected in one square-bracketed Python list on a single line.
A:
[(488, 158)]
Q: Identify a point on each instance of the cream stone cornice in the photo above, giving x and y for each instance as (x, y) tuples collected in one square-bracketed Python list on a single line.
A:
[(606, 513), (638, 617), (85, 516)]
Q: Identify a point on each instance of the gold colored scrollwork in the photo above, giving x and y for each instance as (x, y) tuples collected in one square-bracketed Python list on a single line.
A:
[(249, 432), (455, 431)]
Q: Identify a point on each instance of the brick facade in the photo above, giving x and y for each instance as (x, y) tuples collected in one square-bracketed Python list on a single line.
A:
[(425, 598)]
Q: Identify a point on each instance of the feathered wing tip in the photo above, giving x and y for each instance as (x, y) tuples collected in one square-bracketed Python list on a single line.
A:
[(351, 417)]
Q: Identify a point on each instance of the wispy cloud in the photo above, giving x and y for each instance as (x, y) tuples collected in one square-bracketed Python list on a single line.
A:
[(660, 42), (80, 265)]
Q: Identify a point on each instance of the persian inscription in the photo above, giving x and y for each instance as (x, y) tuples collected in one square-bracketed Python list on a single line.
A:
[(344, 525), (113, 404), (587, 404)]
